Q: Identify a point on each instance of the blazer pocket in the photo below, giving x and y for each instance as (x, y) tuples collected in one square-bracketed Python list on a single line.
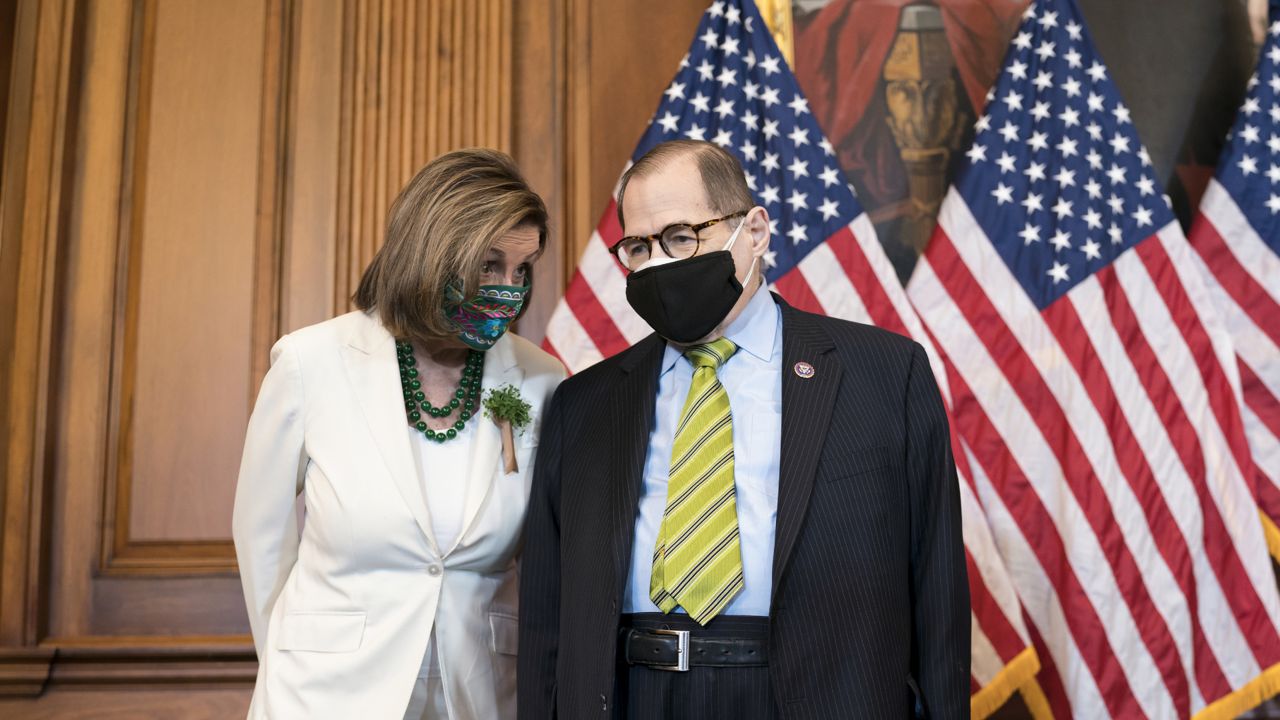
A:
[(327, 632), (528, 438), (855, 462), (506, 633)]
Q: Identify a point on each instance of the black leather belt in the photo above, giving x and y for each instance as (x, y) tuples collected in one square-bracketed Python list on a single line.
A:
[(677, 650)]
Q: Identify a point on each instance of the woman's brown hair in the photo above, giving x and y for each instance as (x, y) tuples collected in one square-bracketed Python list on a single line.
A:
[(439, 231)]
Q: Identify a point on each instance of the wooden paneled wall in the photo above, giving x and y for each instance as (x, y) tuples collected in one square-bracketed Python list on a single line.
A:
[(183, 181), (616, 81), (419, 79)]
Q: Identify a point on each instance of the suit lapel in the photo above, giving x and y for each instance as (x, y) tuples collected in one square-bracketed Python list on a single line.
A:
[(633, 401), (807, 404), (500, 368), (374, 374)]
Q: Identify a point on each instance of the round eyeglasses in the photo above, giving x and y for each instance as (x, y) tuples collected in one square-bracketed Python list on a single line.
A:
[(678, 241)]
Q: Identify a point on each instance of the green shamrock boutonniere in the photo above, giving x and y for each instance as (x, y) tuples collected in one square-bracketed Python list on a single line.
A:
[(510, 411), (505, 403)]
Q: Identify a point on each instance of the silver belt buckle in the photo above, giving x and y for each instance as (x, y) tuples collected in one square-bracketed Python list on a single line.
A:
[(682, 650)]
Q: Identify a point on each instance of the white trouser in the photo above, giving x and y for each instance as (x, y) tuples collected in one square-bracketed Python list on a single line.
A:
[(427, 701)]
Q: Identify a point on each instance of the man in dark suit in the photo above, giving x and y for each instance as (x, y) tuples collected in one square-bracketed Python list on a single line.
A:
[(752, 513)]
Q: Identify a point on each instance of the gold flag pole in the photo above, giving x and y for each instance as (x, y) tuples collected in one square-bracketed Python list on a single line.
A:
[(777, 15)]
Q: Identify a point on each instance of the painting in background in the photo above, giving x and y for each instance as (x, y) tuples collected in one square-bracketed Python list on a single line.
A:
[(897, 85)]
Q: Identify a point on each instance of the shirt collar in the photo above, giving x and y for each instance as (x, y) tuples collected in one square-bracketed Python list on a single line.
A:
[(753, 331)]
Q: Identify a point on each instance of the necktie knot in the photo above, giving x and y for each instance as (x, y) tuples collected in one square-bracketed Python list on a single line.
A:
[(711, 355)]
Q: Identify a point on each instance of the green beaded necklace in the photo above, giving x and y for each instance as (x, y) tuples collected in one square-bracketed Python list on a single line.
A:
[(464, 398)]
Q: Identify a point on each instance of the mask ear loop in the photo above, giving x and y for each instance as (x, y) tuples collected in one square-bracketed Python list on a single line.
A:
[(734, 238)]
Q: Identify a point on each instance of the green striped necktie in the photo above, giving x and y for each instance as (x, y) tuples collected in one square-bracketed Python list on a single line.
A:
[(697, 563)]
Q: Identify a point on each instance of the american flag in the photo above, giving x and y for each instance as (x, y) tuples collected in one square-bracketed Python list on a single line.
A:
[(734, 89), (1091, 384), (1237, 239)]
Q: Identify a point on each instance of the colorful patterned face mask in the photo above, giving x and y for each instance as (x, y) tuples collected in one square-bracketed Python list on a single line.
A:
[(484, 318)]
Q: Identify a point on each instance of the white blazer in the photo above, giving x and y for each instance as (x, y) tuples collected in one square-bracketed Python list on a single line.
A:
[(342, 613)]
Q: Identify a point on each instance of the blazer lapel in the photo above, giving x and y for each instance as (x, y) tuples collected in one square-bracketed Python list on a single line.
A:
[(500, 368), (807, 403), (374, 374), (632, 402)]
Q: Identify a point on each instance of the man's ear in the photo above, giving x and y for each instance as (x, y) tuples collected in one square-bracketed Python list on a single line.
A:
[(758, 229)]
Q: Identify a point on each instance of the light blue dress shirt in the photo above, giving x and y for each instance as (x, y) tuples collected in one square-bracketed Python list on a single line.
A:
[(753, 380)]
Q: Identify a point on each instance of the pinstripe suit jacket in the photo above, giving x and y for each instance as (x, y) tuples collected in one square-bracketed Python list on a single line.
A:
[(870, 609)]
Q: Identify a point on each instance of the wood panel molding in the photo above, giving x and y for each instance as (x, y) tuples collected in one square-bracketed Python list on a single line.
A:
[(38, 131), (141, 663), (122, 554), (419, 78), (23, 670), (276, 129), (135, 663), (580, 214), (163, 703)]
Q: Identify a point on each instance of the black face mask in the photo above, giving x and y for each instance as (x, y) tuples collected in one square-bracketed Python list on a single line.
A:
[(684, 300)]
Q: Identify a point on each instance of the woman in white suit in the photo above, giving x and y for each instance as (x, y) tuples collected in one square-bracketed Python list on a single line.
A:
[(397, 598)]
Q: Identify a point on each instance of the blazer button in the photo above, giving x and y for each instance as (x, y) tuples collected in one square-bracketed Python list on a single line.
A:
[(434, 570)]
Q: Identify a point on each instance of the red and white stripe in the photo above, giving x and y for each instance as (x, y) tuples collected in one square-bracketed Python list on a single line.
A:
[(849, 277), (1109, 455), (1243, 279)]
